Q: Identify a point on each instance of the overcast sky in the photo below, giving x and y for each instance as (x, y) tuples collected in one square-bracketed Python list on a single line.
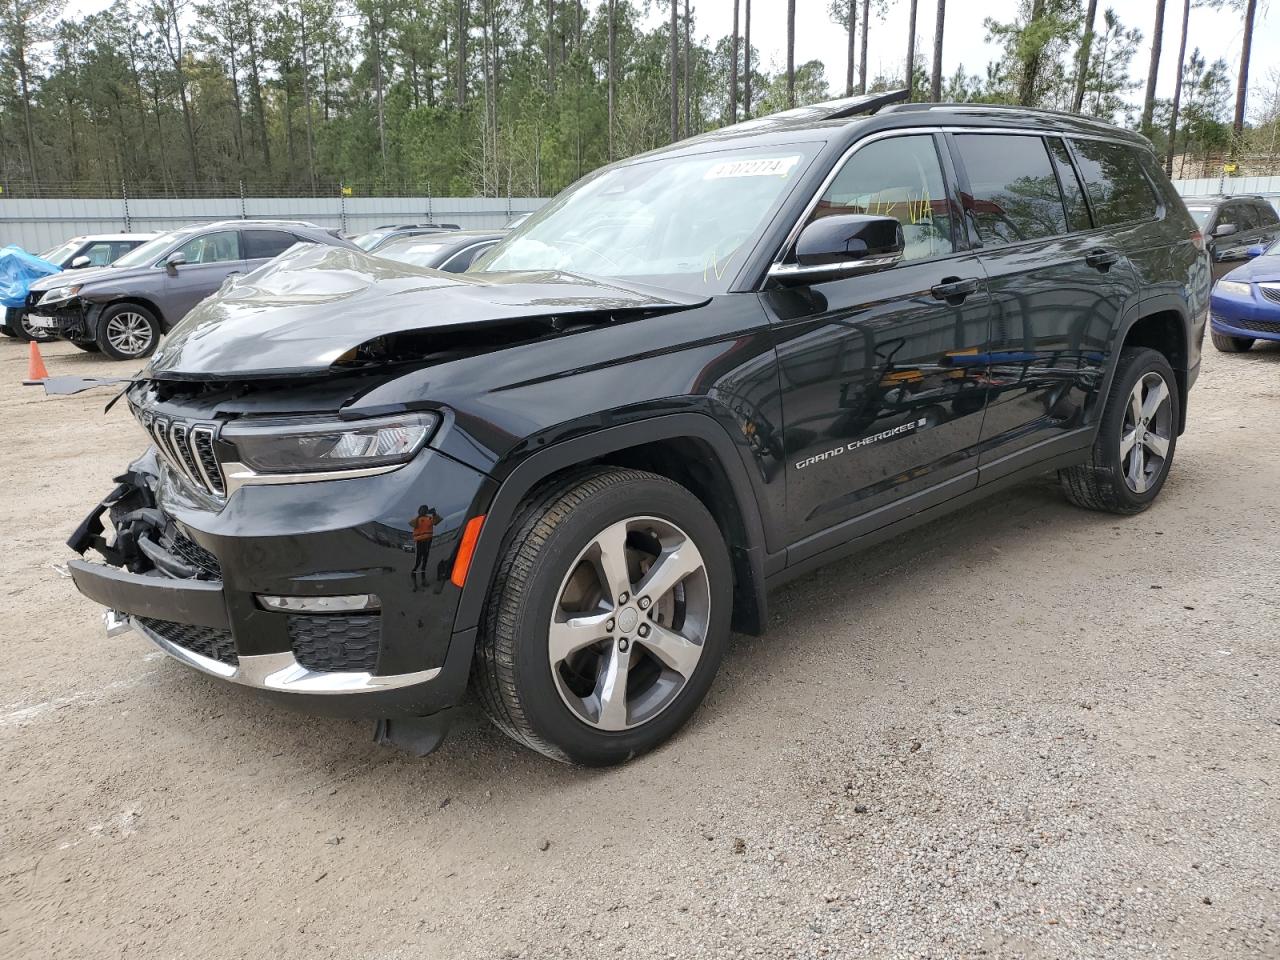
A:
[(1217, 33)]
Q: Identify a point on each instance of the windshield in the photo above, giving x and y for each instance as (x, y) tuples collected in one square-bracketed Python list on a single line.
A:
[(59, 254), (420, 253), (367, 241), (149, 251), (683, 222), (1200, 215)]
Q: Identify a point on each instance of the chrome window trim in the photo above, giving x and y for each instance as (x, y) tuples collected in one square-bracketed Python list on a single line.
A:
[(930, 130)]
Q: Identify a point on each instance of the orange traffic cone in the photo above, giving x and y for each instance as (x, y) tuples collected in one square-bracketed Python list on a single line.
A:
[(36, 373)]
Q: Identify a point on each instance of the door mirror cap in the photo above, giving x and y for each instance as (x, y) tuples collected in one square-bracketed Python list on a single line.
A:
[(842, 244), (1256, 250), (174, 261), (1225, 229), (78, 262)]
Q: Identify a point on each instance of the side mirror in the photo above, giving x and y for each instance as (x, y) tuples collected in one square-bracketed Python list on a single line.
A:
[(1256, 250), (174, 261), (843, 244), (1225, 229), (78, 262)]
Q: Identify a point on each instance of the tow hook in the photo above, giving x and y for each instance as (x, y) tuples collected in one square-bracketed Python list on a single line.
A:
[(116, 623)]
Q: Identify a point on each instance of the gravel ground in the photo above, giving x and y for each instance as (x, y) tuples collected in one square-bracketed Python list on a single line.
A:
[(1023, 731)]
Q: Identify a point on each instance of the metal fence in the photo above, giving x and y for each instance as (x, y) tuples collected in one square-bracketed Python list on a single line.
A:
[(1268, 187), (38, 224)]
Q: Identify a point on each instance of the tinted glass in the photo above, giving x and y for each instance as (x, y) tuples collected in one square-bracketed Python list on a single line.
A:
[(899, 177), (1267, 214), (1113, 177), (212, 247), (1072, 193), (260, 244), (1014, 191), (1246, 217)]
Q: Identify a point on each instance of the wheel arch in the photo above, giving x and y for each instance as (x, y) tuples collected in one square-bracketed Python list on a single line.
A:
[(1162, 325), (691, 449)]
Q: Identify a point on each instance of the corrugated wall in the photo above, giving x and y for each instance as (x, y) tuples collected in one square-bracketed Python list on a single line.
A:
[(1268, 187), (37, 225)]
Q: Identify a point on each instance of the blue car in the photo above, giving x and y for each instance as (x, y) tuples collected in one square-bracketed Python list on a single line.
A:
[(1245, 304)]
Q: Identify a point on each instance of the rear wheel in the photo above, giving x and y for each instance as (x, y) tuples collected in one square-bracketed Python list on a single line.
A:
[(1230, 344), (607, 617), (1136, 439), (127, 331)]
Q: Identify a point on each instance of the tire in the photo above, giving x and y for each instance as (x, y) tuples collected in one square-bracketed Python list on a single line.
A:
[(24, 333), (1125, 473), (1227, 344), (548, 688), (127, 331)]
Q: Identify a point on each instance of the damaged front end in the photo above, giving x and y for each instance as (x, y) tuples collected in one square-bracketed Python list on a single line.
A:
[(305, 585)]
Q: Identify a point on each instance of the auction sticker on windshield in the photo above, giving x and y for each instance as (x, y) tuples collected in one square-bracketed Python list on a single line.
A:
[(760, 167)]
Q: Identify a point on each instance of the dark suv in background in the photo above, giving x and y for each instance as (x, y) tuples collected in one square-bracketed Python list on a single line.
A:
[(1232, 225), (123, 309), (563, 476)]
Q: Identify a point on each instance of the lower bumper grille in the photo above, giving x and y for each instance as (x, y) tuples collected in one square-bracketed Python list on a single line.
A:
[(1257, 326), (190, 552), (209, 642), (336, 643)]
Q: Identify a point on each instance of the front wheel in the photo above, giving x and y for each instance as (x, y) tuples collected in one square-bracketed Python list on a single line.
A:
[(607, 617), (25, 332), (1136, 439), (127, 331), (1227, 344)]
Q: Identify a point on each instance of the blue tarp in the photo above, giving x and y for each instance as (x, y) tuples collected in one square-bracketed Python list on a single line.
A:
[(18, 270)]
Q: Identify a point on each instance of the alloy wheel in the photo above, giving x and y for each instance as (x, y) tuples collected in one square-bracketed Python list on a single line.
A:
[(630, 622), (1147, 432), (129, 333)]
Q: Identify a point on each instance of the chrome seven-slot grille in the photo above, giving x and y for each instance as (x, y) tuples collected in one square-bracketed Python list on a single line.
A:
[(188, 448)]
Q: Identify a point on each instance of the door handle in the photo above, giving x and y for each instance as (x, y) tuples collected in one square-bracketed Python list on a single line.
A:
[(1101, 259), (954, 289)]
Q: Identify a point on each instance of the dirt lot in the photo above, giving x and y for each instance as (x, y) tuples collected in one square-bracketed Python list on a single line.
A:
[(1024, 731)]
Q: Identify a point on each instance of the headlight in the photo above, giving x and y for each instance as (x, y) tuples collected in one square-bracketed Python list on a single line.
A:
[(1235, 288), (310, 446), (61, 293)]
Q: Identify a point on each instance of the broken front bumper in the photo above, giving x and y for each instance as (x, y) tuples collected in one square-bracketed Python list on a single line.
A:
[(192, 577)]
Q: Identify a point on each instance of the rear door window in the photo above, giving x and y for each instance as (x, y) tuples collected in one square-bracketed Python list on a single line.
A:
[(1247, 217), (1072, 192), (265, 244), (1267, 214), (1118, 189), (1013, 189)]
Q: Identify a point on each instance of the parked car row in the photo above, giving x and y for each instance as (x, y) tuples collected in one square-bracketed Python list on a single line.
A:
[(129, 290)]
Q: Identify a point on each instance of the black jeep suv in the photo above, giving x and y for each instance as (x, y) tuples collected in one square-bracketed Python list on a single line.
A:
[(562, 477)]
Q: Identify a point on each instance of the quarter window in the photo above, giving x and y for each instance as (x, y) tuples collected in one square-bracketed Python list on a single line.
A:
[(212, 247), (898, 177), (1014, 191), (1118, 189)]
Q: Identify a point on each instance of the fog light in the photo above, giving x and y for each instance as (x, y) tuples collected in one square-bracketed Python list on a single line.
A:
[(350, 603)]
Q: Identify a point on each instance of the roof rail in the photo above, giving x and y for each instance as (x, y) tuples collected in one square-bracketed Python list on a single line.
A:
[(867, 103)]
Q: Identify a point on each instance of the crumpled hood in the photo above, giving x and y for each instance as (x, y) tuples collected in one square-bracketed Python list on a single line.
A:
[(1257, 270), (85, 276), (307, 308)]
